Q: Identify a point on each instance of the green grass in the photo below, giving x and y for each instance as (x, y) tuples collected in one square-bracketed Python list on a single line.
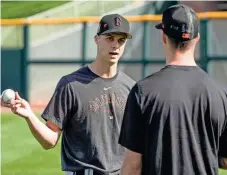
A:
[(222, 172), (22, 154), (21, 9)]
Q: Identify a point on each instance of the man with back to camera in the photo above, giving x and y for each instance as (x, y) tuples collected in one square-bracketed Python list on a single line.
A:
[(87, 107), (175, 120)]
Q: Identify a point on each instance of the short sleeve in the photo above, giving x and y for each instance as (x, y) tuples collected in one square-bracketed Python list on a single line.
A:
[(133, 126), (61, 104)]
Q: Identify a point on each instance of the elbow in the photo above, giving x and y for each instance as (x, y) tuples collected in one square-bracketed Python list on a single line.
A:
[(224, 167), (223, 163), (48, 146)]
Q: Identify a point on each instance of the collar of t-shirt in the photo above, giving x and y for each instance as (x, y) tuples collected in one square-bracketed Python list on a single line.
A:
[(105, 79)]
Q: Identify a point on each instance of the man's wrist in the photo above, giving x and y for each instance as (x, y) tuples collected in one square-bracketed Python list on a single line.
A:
[(30, 116)]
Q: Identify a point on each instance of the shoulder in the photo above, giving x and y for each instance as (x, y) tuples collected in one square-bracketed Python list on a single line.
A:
[(145, 84), (80, 76), (153, 78), (211, 85)]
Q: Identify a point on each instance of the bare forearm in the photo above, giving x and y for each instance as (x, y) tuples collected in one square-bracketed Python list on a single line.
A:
[(44, 135), (222, 162), (130, 170), (132, 164)]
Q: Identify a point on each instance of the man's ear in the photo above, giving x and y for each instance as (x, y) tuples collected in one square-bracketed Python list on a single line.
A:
[(198, 37), (96, 38), (163, 37)]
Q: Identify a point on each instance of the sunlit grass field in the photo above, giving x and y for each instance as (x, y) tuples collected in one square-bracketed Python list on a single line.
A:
[(22, 154)]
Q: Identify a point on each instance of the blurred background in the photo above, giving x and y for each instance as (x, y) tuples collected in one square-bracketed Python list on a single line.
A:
[(34, 58)]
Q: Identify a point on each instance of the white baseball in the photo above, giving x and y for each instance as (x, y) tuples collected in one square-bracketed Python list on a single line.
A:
[(7, 95)]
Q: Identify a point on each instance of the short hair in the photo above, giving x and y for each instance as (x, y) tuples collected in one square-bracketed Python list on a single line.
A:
[(180, 45)]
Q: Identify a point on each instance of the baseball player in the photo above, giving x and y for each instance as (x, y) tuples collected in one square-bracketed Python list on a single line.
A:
[(175, 119), (87, 107)]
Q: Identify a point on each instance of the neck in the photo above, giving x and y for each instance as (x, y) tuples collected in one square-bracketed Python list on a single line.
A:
[(181, 59), (103, 69)]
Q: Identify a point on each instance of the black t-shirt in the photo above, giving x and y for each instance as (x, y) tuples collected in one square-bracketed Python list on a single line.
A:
[(89, 110), (176, 118)]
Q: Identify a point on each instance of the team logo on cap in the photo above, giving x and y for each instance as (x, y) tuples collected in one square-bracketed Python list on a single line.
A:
[(117, 21)]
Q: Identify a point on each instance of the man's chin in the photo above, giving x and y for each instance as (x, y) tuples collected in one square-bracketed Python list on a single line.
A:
[(113, 59)]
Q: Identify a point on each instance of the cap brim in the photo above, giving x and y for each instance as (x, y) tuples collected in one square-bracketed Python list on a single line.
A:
[(159, 26), (129, 36)]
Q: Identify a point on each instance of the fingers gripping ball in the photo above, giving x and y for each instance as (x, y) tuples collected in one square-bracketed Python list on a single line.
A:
[(8, 95)]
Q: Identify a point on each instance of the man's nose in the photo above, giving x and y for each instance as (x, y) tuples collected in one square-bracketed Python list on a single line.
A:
[(115, 44)]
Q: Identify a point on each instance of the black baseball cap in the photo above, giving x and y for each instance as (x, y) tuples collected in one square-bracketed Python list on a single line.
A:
[(114, 23), (180, 22)]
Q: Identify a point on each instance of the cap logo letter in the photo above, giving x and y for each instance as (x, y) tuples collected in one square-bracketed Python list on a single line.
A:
[(117, 21)]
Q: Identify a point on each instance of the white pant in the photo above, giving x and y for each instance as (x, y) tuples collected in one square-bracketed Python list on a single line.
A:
[(87, 172)]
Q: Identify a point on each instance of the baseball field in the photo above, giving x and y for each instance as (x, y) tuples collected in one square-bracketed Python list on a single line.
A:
[(22, 154)]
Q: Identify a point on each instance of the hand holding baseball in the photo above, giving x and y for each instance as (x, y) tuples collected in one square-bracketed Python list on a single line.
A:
[(17, 105), (21, 107)]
